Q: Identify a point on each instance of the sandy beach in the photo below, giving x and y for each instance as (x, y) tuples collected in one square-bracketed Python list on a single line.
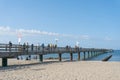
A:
[(77, 70)]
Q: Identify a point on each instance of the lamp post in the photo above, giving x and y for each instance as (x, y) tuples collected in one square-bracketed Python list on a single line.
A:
[(19, 38), (77, 43), (56, 41)]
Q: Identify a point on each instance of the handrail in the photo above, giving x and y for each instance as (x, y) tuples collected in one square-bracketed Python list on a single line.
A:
[(44, 50)]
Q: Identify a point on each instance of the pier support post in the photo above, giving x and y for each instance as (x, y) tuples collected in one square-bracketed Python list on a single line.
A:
[(78, 56), (88, 54), (84, 56), (41, 58), (71, 56), (97, 53), (94, 53), (60, 57), (91, 54), (4, 62)]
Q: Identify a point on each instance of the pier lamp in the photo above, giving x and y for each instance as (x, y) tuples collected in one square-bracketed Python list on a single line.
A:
[(77, 43), (19, 38), (56, 40)]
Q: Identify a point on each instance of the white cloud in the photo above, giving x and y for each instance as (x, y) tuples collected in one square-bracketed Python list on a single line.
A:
[(9, 31), (2, 28), (28, 32), (86, 37), (32, 31), (5, 30)]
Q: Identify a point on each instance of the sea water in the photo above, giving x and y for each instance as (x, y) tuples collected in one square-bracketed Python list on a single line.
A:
[(66, 56), (115, 56)]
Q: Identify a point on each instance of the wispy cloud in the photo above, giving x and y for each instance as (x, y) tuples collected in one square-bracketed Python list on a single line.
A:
[(5, 30), (33, 31), (86, 37), (2, 28)]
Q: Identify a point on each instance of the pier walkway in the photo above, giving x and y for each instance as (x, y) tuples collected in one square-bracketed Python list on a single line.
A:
[(15, 50)]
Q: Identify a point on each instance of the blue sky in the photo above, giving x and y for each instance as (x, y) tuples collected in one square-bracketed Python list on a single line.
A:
[(93, 23)]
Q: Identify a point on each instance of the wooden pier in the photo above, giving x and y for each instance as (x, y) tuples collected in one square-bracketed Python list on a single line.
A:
[(7, 51)]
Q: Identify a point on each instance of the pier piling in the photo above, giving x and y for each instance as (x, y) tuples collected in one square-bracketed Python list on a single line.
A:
[(91, 54), (84, 56), (60, 57), (41, 58), (71, 56), (88, 54), (4, 62), (78, 56)]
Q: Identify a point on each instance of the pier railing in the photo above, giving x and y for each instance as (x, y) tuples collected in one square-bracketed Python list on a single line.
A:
[(15, 50)]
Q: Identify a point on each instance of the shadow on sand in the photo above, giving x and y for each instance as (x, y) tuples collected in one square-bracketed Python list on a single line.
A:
[(23, 66)]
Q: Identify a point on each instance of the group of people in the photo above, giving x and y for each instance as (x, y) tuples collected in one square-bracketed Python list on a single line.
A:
[(25, 46)]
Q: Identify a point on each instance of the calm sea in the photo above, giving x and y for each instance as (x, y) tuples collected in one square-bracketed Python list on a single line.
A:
[(66, 56)]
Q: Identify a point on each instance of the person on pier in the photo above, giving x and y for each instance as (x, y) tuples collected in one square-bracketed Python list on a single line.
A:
[(10, 45), (43, 46), (24, 47), (32, 45)]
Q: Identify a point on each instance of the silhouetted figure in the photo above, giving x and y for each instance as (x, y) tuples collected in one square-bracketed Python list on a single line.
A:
[(24, 47), (10, 45), (55, 45), (43, 45), (48, 45), (32, 47), (17, 58), (27, 46), (27, 58), (67, 47)]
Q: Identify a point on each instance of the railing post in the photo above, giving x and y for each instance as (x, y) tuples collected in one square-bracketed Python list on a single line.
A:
[(6, 47), (9, 48), (36, 49), (16, 48)]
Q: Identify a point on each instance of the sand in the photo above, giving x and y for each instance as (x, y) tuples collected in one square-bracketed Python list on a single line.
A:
[(77, 70)]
